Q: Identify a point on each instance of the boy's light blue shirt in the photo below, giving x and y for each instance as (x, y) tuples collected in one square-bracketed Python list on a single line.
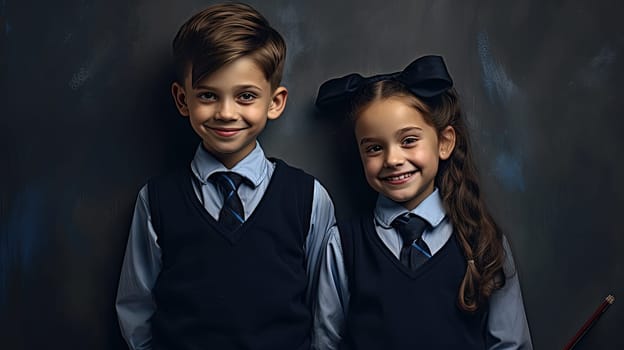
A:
[(142, 261), (507, 326)]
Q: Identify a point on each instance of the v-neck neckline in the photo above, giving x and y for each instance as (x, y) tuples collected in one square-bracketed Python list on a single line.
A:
[(234, 236), (371, 234)]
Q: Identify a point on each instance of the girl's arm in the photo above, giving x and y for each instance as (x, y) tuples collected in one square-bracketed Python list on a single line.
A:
[(507, 323)]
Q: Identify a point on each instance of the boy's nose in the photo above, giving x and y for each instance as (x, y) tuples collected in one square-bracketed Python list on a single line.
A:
[(226, 110)]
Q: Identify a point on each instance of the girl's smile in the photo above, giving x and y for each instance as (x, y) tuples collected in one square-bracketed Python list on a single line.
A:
[(399, 179), (400, 151)]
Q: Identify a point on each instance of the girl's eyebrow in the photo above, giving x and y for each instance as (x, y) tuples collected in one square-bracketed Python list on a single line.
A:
[(398, 132), (407, 129)]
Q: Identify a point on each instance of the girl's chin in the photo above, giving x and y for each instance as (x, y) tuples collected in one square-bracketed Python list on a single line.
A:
[(399, 198)]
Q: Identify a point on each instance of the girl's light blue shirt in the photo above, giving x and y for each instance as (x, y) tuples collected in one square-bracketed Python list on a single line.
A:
[(507, 326)]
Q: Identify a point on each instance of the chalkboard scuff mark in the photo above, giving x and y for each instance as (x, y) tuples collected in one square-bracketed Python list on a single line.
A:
[(22, 232), (605, 57), (508, 170), (68, 37), (291, 21), (79, 78), (599, 69), (499, 87)]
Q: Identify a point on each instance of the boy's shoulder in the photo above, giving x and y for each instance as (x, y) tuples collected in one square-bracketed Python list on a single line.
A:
[(167, 182), (170, 175), (279, 163), (282, 167)]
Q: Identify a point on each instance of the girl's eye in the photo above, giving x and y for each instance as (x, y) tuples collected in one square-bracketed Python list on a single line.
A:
[(246, 97), (409, 140)]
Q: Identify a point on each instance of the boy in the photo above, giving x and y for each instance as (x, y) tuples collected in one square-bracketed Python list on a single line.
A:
[(224, 255)]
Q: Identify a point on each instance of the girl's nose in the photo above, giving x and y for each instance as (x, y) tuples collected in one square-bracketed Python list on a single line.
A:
[(393, 157)]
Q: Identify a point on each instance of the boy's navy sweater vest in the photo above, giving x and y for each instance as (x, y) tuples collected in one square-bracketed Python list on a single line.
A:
[(240, 290), (392, 307)]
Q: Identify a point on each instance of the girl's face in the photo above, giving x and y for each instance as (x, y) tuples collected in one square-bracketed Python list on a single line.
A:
[(400, 152)]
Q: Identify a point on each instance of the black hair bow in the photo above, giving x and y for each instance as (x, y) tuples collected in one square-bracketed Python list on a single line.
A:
[(426, 77)]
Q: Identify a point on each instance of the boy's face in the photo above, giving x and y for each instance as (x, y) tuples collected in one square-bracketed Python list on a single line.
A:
[(400, 152), (229, 108)]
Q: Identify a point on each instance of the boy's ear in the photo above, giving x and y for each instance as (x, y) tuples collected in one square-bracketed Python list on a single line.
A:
[(447, 142), (278, 102), (179, 97)]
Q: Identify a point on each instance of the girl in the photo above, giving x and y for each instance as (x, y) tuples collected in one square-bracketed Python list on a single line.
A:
[(429, 269)]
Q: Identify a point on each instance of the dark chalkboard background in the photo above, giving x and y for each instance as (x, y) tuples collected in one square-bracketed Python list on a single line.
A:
[(86, 117)]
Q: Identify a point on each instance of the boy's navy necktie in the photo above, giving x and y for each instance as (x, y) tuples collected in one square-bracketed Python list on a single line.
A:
[(415, 251), (232, 214)]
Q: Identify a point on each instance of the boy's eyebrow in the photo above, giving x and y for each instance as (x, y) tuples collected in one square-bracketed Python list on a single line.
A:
[(250, 86), (237, 87), (367, 139)]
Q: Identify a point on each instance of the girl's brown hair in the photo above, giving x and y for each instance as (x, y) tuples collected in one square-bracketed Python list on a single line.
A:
[(457, 180)]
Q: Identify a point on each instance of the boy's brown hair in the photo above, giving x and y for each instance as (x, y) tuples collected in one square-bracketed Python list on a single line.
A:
[(223, 33)]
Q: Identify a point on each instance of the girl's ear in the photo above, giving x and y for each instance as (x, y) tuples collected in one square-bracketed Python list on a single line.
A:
[(447, 143), (278, 102), (179, 97)]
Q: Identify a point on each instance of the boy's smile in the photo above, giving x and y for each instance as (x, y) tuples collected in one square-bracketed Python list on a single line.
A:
[(230, 107), (226, 132), (400, 152)]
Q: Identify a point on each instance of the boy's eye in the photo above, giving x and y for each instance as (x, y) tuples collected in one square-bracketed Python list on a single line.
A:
[(207, 96), (372, 148), (247, 97)]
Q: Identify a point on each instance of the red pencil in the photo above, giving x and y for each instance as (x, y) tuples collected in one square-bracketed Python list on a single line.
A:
[(590, 321)]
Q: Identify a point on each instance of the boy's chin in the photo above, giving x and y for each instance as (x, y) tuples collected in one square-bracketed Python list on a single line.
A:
[(229, 153)]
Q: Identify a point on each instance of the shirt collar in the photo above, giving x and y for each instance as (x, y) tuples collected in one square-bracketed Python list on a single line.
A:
[(253, 167), (431, 209)]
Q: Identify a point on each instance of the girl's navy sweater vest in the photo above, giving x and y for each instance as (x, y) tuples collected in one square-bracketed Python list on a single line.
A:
[(392, 307), (232, 290)]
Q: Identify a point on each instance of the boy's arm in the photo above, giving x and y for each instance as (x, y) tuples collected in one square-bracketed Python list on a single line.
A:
[(507, 323), (141, 266), (328, 293)]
